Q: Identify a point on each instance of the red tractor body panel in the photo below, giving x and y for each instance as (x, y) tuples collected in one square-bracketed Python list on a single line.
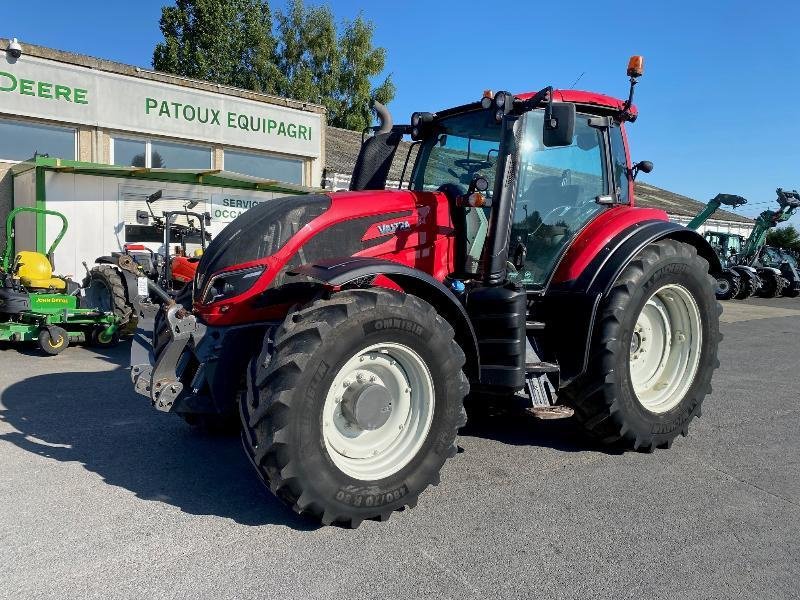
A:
[(408, 227)]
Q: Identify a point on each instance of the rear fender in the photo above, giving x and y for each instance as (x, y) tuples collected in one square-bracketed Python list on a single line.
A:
[(341, 271), (572, 306)]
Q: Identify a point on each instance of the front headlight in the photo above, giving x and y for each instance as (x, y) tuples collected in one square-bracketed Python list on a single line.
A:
[(231, 283)]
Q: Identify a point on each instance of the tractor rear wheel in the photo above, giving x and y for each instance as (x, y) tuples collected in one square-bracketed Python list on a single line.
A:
[(105, 291), (654, 350), (53, 340), (354, 404), (728, 285)]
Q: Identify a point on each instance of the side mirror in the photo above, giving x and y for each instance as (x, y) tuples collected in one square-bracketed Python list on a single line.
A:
[(156, 196), (142, 218), (207, 218), (645, 166), (559, 129)]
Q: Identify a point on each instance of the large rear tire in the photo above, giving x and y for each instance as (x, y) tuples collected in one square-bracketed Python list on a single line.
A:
[(654, 350), (105, 291), (354, 404)]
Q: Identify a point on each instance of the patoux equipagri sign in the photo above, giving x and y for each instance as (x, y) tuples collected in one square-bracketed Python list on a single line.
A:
[(36, 87)]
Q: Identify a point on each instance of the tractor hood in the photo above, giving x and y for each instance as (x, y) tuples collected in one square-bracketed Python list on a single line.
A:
[(279, 233), (259, 232)]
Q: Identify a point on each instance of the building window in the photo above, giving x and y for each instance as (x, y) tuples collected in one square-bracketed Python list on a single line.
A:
[(289, 170), (157, 154), (20, 141), (130, 153)]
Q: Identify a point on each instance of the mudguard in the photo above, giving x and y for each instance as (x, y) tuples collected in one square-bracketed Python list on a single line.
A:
[(570, 308), (341, 271)]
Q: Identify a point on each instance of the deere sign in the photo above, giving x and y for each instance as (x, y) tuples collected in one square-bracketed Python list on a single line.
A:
[(42, 88)]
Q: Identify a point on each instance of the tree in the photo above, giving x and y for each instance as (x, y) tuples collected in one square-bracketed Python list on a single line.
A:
[(300, 53), (784, 237)]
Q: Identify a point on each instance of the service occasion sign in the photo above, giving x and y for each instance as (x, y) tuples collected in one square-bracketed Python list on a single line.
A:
[(225, 208), (37, 87)]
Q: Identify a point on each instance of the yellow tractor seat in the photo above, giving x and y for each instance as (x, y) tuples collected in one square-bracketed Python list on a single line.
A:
[(35, 272)]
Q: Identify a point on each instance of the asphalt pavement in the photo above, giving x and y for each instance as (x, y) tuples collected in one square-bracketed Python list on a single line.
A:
[(103, 497)]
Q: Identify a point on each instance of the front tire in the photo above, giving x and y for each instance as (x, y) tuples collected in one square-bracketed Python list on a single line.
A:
[(728, 285), (747, 288), (772, 285), (654, 350), (53, 340), (354, 404)]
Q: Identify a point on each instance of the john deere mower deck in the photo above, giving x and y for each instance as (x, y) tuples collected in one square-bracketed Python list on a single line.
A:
[(37, 306)]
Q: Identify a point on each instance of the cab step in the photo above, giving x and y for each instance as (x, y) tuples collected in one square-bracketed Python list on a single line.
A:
[(534, 325), (541, 367)]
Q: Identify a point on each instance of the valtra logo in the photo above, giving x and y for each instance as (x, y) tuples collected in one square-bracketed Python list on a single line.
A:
[(388, 228)]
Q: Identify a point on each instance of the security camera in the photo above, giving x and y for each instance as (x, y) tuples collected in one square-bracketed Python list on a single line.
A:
[(14, 49)]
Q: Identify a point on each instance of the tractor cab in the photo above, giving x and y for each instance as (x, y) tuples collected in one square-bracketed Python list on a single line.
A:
[(556, 188)]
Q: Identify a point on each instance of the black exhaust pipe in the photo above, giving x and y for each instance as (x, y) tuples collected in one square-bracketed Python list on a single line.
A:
[(384, 117), (377, 152)]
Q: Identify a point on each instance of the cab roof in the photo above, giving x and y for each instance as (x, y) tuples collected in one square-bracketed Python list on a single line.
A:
[(586, 98)]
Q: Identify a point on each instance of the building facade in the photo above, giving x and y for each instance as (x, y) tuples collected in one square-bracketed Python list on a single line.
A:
[(76, 107)]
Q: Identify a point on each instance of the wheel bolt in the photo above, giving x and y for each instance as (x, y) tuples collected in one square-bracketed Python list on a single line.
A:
[(372, 379), (347, 383)]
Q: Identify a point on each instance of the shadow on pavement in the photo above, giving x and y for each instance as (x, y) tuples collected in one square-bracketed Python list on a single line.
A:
[(95, 418)]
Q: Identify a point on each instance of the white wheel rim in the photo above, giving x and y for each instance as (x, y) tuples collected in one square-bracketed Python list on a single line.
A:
[(665, 348), (370, 455)]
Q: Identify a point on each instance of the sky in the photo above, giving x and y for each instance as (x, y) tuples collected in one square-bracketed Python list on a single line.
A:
[(716, 103)]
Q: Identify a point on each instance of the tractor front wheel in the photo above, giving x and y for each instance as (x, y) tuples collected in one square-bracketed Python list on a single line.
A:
[(773, 285), (53, 340), (728, 285), (748, 287), (654, 350), (354, 404)]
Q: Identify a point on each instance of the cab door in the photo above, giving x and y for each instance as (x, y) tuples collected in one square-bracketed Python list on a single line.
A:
[(557, 195)]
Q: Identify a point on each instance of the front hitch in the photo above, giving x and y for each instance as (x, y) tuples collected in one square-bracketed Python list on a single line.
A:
[(159, 379)]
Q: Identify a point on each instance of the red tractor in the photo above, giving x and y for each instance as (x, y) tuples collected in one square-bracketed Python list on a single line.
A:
[(348, 328)]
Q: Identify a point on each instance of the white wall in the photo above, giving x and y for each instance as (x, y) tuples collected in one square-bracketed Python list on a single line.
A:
[(94, 207), (743, 229)]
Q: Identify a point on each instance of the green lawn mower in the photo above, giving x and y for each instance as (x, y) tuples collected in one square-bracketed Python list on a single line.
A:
[(37, 306)]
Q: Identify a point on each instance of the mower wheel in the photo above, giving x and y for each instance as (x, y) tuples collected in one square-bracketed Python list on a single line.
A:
[(791, 292), (773, 285), (97, 338), (654, 350), (728, 285), (53, 340), (747, 288), (105, 291), (353, 405)]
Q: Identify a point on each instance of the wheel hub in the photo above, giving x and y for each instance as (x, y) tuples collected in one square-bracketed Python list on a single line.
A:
[(367, 405)]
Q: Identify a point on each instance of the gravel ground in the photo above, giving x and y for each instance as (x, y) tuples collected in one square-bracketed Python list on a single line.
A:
[(103, 497)]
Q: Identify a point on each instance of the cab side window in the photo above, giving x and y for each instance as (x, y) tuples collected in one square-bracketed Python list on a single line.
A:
[(619, 163)]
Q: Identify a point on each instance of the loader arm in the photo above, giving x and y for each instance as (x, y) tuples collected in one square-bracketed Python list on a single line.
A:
[(713, 205)]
